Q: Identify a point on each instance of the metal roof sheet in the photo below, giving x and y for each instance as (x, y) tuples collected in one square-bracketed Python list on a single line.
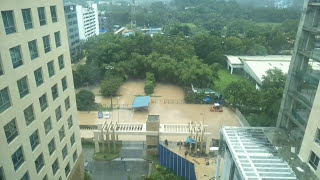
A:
[(254, 155)]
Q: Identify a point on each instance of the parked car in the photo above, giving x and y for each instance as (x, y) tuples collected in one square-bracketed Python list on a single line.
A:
[(100, 115), (107, 115)]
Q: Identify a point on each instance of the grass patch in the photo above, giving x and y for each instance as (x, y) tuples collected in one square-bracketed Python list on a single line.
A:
[(225, 78), (107, 156), (100, 156)]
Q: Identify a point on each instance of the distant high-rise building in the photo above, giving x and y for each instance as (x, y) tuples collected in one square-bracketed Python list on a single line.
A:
[(300, 107), (103, 22), (39, 131), (72, 29), (88, 23)]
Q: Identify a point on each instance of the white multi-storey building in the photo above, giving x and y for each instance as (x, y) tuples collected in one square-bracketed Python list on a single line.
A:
[(88, 23), (39, 131)]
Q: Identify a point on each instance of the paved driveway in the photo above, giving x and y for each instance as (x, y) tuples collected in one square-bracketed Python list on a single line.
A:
[(131, 166)]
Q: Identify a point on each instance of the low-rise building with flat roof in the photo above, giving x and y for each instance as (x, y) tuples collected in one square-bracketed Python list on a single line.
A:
[(256, 67)]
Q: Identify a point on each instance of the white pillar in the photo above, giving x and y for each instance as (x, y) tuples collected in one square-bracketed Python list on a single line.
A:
[(231, 70), (208, 145), (96, 142)]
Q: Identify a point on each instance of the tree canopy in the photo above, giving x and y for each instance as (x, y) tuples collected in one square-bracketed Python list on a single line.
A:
[(85, 100)]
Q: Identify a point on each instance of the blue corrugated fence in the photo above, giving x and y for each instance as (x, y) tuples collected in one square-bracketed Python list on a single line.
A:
[(176, 163)]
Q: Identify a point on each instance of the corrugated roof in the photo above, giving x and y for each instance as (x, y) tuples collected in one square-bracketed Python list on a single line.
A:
[(141, 101)]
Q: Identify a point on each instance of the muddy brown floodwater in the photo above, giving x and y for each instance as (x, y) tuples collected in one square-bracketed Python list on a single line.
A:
[(168, 102)]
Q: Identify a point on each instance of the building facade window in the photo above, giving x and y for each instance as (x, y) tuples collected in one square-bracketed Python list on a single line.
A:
[(53, 11), (45, 177), (27, 20), (38, 76), (23, 87), (57, 38), (75, 156), (70, 122), (11, 130), (42, 16), (64, 151), (2, 176), (4, 99), (17, 158), (50, 66), (34, 140), (61, 133), (314, 160), (1, 71), (29, 115), (51, 146), (54, 92), (55, 166), (61, 62), (67, 103), (46, 44), (39, 163), (47, 125), (43, 102), (25, 176), (16, 57), (64, 83), (67, 170), (33, 49), (72, 139), (58, 113), (8, 22), (317, 139)]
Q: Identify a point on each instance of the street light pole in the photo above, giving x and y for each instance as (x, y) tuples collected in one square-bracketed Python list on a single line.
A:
[(118, 107), (108, 67)]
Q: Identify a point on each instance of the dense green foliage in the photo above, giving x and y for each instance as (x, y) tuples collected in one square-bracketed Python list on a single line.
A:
[(161, 173), (206, 14), (86, 74), (150, 83), (110, 86), (261, 107), (85, 100), (170, 59)]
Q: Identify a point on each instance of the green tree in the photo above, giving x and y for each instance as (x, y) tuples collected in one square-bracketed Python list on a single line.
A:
[(110, 86), (150, 83), (77, 79), (243, 95), (274, 78), (85, 100), (272, 90)]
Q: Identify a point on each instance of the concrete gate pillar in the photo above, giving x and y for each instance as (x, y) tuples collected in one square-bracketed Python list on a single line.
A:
[(207, 144), (152, 124), (96, 142)]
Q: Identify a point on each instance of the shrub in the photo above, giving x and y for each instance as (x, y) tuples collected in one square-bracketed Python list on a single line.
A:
[(150, 83), (148, 87)]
